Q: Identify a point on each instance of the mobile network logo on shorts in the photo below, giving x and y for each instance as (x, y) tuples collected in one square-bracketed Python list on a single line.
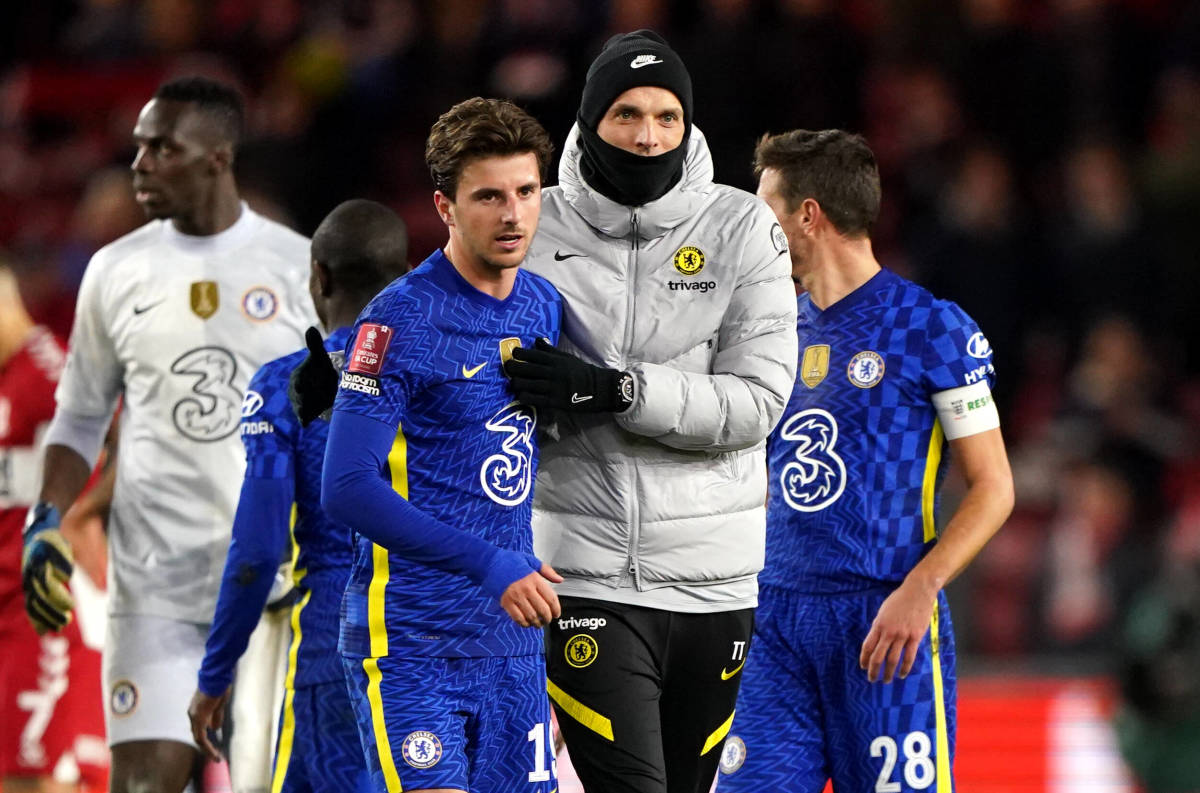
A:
[(588, 623)]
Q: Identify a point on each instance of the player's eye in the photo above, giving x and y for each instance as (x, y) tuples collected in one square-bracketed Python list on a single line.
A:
[(669, 118)]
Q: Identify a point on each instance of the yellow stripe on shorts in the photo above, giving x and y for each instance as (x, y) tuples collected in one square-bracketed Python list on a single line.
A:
[(717, 736), (287, 733), (580, 712), (944, 782), (379, 725)]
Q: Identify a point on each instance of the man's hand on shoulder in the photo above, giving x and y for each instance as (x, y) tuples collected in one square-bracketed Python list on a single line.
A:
[(531, 601), (314, 383), (545, 376), (46, 566), (891, 644)]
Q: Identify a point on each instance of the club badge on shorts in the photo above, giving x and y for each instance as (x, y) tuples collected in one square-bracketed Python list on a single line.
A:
[(124, 698), (581, 650), (421, 749), (733, 754)]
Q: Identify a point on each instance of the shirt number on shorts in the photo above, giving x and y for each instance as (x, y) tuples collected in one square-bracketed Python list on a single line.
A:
[(540, 773), (919, 771)]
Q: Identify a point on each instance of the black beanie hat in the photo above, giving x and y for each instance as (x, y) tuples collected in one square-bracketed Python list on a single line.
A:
[(629, 60)]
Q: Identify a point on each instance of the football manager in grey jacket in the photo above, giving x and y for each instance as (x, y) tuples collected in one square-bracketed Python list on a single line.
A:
[(678, 355)]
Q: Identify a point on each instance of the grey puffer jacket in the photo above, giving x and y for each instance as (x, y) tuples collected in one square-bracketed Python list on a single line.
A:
[(662, 505)]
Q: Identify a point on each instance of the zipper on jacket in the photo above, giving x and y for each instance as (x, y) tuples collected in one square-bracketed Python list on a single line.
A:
[(630, 291)]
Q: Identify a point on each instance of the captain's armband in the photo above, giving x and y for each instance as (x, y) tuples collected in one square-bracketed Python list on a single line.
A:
[(967, 410)]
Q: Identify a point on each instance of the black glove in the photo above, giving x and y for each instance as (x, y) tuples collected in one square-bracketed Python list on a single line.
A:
[(314, 383), (545, 376)]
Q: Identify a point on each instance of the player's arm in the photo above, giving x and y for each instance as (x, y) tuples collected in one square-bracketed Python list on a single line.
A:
[(260, 537), (86, 397), (353, 492), (733, 407), (85, 524), (904, 617)]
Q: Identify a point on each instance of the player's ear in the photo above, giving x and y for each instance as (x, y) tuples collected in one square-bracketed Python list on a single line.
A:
[(445, 207), (808, 213), (324, 278), (221, 158)]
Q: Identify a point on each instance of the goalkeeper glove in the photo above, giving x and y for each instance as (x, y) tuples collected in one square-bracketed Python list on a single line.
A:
[(46, 565), (314, 383), (545, 376)]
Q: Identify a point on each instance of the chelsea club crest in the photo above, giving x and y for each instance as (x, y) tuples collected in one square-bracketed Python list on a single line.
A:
[(421, 749), (865, 369)]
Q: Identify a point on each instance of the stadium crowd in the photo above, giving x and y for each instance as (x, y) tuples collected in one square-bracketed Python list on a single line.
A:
[(1041, 165)]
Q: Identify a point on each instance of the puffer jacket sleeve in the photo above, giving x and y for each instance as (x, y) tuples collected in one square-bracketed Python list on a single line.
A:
[(740, 402)]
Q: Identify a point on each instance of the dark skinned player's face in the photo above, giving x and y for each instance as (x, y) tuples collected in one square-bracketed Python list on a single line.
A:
[(176, 162)]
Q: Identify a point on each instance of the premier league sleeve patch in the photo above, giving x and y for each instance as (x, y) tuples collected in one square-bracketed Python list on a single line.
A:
[(369, 348)]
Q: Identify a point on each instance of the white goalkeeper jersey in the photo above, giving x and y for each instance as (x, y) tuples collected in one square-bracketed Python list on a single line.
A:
[(179, 324)]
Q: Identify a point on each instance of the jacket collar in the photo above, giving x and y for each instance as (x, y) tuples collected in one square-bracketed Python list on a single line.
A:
[(654, 219)]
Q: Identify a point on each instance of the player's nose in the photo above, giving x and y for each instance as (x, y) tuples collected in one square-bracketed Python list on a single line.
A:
[(142, 161), (647, 136), (511, 211)]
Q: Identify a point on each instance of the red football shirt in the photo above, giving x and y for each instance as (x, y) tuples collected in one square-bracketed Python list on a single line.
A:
[(27, 382)]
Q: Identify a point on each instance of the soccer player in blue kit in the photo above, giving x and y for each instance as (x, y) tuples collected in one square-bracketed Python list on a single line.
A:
[(358, 249), (431, 460), (851, 675)]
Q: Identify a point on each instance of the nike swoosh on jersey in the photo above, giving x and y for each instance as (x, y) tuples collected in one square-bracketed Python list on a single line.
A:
[(559, 256), (469, 373), (725, 675), (144, 309), (576, 399)]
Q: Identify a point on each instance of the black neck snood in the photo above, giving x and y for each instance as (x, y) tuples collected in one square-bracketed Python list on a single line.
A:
[(627, 178)]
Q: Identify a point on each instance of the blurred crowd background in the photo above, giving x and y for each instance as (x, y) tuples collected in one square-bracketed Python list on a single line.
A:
[(1040, 161)]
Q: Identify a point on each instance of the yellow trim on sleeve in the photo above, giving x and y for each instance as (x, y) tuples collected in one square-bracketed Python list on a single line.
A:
[(376, 618), (580, 712), (933, 458), (945, 784), (718, 736), (287, 732), (398, 463), (297, 575), (379, 725), (381, 570)]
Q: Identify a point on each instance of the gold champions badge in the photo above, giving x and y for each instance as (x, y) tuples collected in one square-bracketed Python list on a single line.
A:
[(815, 364), (205, 298)]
